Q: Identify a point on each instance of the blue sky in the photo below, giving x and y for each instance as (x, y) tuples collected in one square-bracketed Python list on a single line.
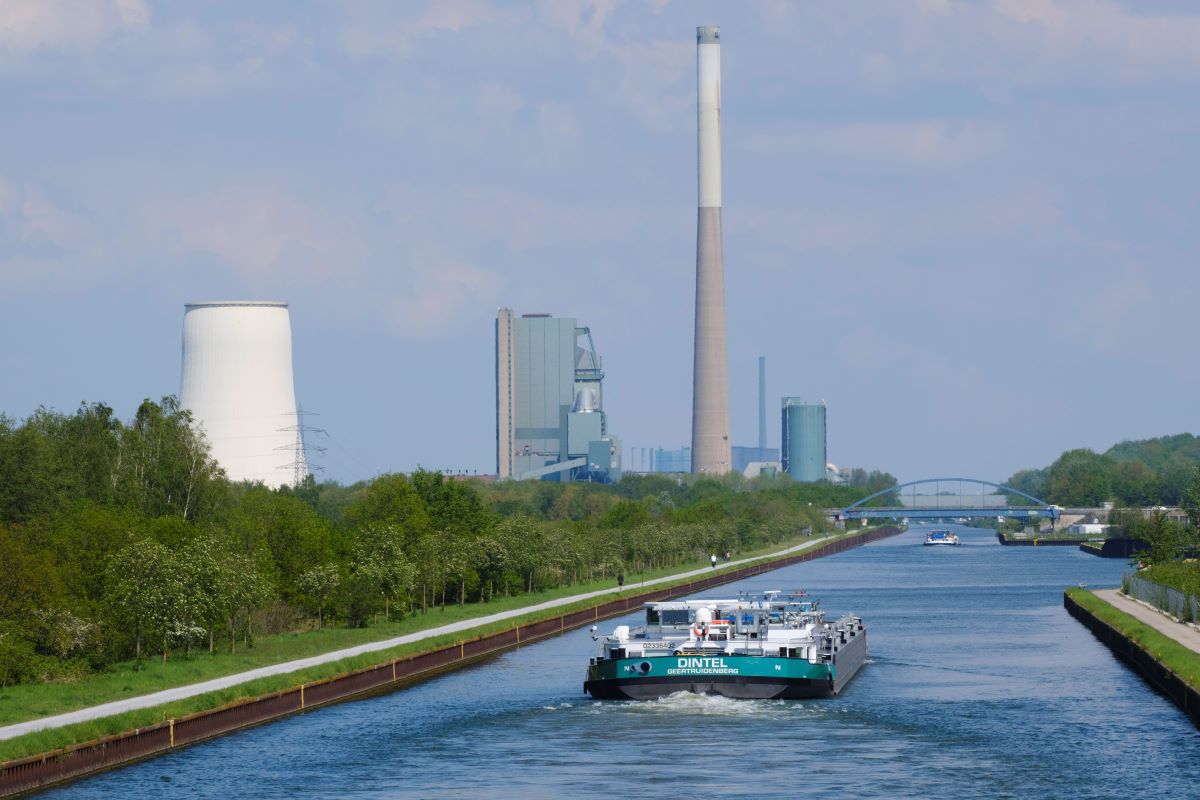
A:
[(969, 227)]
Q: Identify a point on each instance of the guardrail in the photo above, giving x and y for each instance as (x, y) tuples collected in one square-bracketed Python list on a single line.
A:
[(57, 766), (1178, 604)]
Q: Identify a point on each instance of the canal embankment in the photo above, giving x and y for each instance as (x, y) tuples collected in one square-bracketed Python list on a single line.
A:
[(1163, 651), (388, 669)]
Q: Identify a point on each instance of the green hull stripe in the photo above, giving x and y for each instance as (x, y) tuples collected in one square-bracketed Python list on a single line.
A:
[(705, 666)]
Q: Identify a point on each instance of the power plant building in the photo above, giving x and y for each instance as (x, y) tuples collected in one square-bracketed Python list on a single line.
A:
[(804, 442), (550, 420), (743, 457), (237, 382)]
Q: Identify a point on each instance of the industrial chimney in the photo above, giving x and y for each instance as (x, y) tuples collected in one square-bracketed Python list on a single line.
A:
[(237, 382), (710, 386)]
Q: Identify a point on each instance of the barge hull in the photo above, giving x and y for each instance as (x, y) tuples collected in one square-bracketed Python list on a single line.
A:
[(735, 687), (847, 660)]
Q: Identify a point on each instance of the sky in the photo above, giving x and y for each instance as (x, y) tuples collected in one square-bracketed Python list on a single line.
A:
[(969, 227)]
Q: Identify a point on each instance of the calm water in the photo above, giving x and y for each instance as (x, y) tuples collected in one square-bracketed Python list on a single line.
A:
[(978, 685)]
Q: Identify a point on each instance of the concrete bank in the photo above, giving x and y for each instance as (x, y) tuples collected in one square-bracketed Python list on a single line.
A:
[(1159, 676), (40, 771)]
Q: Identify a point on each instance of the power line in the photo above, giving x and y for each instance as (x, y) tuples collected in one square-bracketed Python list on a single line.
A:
[(302, 466)]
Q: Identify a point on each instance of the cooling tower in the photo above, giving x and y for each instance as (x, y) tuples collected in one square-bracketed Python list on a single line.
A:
[(237, 382), (710, 387)]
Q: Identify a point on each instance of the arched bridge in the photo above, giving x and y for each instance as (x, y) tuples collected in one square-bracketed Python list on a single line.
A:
[(994, 503)]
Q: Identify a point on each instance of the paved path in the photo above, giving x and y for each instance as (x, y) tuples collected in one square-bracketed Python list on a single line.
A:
[(1186, 635), (181, 692)]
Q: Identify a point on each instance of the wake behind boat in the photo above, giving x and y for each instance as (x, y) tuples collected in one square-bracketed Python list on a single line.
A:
[(941, 537), (767, 646)]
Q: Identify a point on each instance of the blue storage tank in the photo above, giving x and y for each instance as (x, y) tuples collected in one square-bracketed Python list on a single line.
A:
[(804, 452)]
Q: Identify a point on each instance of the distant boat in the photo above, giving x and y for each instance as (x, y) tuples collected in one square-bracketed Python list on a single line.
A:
[(941, 537)]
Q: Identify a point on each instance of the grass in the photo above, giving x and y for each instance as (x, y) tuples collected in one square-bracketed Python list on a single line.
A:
[(22, 703), (1181, 575), (1174, 656)]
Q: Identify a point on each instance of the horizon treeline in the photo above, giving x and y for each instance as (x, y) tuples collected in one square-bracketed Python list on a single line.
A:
[(1150, 472), (125, 540)]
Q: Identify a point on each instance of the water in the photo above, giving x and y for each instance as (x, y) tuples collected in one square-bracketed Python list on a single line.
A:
[(978, 685)]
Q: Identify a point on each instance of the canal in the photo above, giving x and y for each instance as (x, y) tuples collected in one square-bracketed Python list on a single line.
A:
[(978, 685)]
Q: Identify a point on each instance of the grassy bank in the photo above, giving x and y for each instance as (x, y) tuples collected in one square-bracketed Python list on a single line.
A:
[(1181, 575), (129, 679), (69, 697), (1170, 653)]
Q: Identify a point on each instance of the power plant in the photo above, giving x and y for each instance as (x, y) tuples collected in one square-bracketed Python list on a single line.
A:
[(550, 420), (237, 382), (710, 388)]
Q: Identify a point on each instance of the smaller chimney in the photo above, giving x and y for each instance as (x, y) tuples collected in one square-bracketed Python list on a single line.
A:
[(762, 403)]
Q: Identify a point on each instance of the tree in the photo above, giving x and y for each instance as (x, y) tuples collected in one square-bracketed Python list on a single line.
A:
[(243, 590), (1079, 478), (389, 500), (1191, 499), (152, 592), (284, 531), (163, 463), (1029, 481), (1165, 539), (316, 586), (453, 506), (379, 559)]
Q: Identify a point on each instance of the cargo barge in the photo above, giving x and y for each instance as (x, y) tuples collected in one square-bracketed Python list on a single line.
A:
[(775, 645)]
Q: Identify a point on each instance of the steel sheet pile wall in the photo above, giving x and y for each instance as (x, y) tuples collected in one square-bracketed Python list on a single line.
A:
[(1151, 669), (61, 765)]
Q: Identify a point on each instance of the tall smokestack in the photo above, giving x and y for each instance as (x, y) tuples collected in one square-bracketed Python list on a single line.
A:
[(762, 403), (710, 387)]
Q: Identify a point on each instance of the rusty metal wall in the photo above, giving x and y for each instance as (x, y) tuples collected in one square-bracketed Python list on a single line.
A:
[(36, 772)]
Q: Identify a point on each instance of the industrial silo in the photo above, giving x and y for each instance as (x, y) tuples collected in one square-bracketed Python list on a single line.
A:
[(237, 382), (803, 439)]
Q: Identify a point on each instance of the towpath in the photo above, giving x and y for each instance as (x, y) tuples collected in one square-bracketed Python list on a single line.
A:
[(1186, 635), (191, 690)]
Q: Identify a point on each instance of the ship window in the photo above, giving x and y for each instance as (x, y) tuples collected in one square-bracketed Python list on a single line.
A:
[(675, 616), (651, 616)]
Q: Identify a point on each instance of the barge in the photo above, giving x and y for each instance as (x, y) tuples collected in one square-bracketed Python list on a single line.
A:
[(942, 538), (774, 645)]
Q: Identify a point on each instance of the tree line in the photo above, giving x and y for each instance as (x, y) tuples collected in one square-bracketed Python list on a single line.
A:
[(1151, 472), (125, 540)]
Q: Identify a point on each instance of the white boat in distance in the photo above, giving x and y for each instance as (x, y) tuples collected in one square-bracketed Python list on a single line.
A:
[(941, 537)]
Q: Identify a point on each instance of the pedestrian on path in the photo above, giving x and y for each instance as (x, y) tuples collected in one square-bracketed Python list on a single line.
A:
[(714, 560), (620, 581)]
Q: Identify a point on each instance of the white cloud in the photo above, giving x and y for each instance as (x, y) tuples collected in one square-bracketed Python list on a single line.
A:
[(556, 122), (28, 216), (993, 45), (890, 224), (437, 293), (260, 229), (374, 32), (1119, 40), (922, 143), (496, 97), (27, 25), (583, 20)]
